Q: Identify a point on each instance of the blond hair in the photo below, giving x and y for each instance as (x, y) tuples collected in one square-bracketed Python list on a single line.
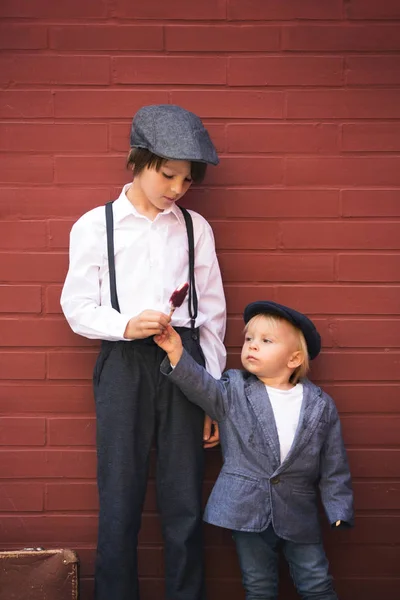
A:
[(301, 371)]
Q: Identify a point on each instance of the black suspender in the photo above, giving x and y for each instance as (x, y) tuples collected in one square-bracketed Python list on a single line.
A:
[(193, 304), (111, 257), (192, 301)]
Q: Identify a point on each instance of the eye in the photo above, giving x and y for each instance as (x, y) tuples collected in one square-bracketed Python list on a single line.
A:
[(167, 176), (247, 338), (189, 180), (267, 341)]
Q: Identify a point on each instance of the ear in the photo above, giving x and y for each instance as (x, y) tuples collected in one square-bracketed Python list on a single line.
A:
[(295, 360)]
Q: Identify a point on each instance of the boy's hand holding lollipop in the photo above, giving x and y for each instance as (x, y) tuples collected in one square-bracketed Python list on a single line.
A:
[(169, 340)]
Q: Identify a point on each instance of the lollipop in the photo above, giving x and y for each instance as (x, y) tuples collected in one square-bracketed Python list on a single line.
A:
[(177, 297)]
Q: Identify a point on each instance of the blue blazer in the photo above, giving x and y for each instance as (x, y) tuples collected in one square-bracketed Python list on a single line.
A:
[(253, 488)]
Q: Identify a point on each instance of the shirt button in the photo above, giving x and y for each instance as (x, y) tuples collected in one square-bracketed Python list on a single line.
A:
[(275, 480)]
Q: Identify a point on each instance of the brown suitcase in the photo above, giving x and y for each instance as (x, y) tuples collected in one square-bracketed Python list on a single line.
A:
[(38, 574)]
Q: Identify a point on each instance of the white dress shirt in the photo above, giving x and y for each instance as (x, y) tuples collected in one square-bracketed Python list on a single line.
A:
[(286, 405), (151, 260)]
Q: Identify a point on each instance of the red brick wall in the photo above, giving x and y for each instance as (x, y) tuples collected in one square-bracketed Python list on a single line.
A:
[(302, 98)]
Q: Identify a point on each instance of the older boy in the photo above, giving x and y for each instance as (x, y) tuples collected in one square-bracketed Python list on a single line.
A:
[(281, 441), (124, 264)]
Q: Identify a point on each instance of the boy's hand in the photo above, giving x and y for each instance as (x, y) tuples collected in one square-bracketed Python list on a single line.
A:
[(210, 433), (147, 323), (170, 341)]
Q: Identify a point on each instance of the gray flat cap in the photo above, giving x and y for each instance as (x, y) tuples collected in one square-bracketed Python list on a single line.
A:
[(172, 132)]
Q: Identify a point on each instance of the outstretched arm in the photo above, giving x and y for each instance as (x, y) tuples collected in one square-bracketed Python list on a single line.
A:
[(196, 383)]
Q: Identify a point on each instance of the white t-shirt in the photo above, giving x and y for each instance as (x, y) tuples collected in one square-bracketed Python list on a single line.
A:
[(286, 405)]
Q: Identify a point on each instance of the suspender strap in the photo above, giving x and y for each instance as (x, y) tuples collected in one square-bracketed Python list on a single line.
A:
[(110, 252), (193, 304)]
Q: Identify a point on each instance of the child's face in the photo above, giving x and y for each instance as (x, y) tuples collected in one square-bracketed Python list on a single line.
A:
[(164, 187), (271, 349)]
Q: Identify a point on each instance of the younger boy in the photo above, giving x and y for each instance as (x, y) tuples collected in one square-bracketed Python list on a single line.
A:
[(281, 441), (125, 263)]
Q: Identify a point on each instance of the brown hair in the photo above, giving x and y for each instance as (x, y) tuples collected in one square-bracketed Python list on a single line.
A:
[(141, 158), (302, 370)]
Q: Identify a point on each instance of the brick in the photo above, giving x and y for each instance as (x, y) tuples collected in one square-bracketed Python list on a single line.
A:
[(45, 69), (92, 170), (367, 588), (370, 203), (239, 295), (276, 267), (364, 398), (39, 332), (175, 9), (41, 398), (367, 333), (22, 365), (247, 171), (169, 70), (22, 431), (35, 463), (71, 365), (42, 9), (343, 104), (119, 135), (371, 137), (222, 38), (337, 38), (372, 70), (371, 431), (282, 137), (368, 267), (352, 366), (255, 235), (106, 37), (78, 431), (52, 299), (264, 203), (59, 233), (105, 103), (21, 497), (36, 267), (231, 103), (60, 137), (341, 299), (23, 234), (71, 496), (285, 70), (26, 104), (69, 529), (377, 495), (338, 171), (386, 9), (374, 462), (44, 202), (23, 37), (22, 168), (20, 298), (276, 10), (332, 235)]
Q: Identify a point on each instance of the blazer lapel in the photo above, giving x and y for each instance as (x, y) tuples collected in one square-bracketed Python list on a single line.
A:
[(257, 395), (311, 410)]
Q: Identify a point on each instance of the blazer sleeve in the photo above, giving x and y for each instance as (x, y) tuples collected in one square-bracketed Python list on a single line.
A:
[(335, 479), (212, 395)]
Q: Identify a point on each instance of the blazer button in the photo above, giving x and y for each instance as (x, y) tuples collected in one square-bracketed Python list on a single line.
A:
[(275, 480)]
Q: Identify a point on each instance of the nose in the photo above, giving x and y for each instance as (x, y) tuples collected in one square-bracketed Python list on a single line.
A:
[(176, 187), (253, 345)]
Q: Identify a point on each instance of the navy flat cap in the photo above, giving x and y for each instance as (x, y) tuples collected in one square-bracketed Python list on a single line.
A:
[(172, 132), (312, 337)]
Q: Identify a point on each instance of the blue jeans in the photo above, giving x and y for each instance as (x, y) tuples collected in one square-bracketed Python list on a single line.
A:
[(258, 557)]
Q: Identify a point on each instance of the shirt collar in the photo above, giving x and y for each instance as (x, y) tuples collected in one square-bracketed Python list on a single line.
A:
[(123, 208)]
